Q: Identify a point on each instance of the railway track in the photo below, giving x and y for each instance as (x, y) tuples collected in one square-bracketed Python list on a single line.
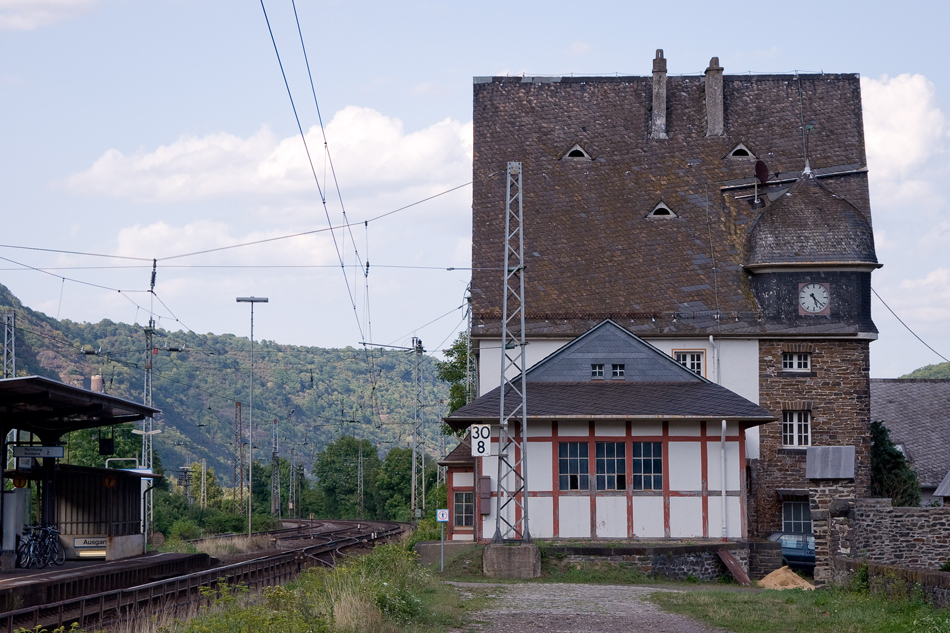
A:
[(301, 546)]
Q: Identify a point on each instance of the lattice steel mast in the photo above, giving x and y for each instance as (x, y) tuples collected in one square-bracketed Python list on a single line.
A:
[(9, 371), (275, 476), (292, 491), (237, 472), (511, 509), (417, 431)]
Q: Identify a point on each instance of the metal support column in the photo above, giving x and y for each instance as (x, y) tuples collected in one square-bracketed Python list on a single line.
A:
[(511, 509), (147, 425)]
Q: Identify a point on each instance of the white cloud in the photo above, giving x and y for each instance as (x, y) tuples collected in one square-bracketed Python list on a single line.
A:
[(370, 151), (928, 298), (26, 15), (903, 124), (577, 49)]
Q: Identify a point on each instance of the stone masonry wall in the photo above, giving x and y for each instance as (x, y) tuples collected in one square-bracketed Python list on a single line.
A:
[(674, 562), (918, 538), (837, 392)]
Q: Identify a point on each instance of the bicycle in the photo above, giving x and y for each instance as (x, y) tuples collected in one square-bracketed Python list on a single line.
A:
[(42, 548)]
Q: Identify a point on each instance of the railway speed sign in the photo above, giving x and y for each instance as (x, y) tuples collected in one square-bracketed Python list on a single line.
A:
[(481, 440)]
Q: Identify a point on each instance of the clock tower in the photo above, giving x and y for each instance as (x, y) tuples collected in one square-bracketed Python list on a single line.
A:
[(810, 258)]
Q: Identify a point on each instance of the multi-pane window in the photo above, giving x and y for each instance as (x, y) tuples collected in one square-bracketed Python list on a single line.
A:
[(647, 466), (573, 466), (794, 361), (464, 509), (611, 462), (796, 517), (617, 371), (597, 371), (796, 428), (692, 361)]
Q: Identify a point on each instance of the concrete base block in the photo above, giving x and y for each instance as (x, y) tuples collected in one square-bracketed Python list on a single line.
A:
[(7, 560), (512, 561)]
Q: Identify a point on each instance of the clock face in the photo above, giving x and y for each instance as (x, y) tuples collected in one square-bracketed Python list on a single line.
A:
[(814, 298)]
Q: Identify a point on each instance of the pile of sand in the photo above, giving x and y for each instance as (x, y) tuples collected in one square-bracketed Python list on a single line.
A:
[(785, 578)]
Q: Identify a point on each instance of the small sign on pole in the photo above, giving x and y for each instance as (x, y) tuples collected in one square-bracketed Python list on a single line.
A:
[(481, 440), (442, 516), (56, 452)]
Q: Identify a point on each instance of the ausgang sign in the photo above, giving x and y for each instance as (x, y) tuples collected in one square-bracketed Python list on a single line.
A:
[(56, 452)]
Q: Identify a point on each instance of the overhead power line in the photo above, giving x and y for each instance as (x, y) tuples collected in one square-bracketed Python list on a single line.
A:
[(907, 327)]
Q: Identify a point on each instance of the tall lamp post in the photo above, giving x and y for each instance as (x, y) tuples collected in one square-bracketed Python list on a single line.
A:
[(250, 413)]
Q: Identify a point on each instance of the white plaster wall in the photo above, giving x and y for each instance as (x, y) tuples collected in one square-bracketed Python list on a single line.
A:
[(574, 517), (685, 428), (490, 469), (539, 428), (489, 358), (540, 467), (732, 466), (646, 429), (686, 466), (541, 517), (567, 428), (463, 480), (463, 536), (733, 517), (611, 517), (686, 517), (610, 428), (647, 517)]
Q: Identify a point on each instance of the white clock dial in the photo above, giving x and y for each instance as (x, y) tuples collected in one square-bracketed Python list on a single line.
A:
[(814, 297)]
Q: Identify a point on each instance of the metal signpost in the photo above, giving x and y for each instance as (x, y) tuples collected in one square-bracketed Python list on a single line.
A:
[(442, 516)]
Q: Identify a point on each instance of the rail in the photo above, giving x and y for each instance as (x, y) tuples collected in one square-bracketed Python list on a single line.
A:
[(110, 607)]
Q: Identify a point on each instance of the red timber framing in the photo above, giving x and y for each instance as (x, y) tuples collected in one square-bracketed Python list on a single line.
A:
[(710, 434)]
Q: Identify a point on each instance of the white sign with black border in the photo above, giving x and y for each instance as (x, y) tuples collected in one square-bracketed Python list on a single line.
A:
[(56, 452), (481, 440)]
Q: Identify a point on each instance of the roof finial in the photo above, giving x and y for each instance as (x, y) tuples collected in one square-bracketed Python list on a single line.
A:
[(807, 171)]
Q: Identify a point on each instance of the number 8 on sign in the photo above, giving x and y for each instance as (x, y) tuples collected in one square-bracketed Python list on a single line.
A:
[(481, 440)]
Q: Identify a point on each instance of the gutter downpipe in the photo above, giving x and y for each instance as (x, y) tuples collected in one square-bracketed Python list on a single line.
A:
[(722, 447)]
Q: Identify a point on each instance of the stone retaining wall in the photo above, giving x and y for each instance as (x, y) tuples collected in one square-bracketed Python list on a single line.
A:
[(901, 582), (674, 562)]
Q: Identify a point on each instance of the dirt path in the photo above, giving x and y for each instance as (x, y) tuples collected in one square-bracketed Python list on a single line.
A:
[(555, 608)]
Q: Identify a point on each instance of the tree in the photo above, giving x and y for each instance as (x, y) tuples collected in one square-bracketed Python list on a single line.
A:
[(891, 476), (337, 470), (394, 483), (453, 371), (938, 371)]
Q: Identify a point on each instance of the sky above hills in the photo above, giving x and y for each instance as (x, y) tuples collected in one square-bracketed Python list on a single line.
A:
[(163, 128)]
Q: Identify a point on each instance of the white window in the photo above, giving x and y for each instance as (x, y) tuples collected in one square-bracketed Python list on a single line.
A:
[(794, 361), (796, 517), (596, 371), (617, 371), (692, 361), (796, 428)]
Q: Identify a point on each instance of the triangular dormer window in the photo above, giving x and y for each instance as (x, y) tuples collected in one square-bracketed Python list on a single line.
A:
[(661, 211), (740, 151), (577, 152)]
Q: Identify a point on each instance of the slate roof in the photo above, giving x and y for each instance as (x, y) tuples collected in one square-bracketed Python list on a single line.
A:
[(461, 455), (808, 224), (917, 415), (628, 401), (591, 251), (654, 386)]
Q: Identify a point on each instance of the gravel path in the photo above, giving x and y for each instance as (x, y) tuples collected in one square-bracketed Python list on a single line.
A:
[(557, 608)]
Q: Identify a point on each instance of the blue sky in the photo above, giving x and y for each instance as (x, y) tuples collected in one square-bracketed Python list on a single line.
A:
[(163, 127)]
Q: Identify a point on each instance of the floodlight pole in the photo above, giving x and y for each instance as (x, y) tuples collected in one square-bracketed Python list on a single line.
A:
[(250, 413)]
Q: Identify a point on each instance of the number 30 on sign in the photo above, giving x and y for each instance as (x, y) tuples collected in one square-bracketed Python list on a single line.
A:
[(481, 440)]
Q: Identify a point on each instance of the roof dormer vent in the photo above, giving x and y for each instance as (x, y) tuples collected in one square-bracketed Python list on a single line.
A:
[(661, 211), (577, 152), (740, 151)]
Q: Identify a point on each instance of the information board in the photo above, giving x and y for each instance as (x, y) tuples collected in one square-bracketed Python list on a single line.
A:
[(481, 440)]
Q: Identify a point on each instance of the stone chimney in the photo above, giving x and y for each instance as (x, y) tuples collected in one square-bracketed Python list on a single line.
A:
[(659, 96), (714, 124)]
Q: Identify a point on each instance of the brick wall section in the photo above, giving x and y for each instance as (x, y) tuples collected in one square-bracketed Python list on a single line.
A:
[(764, 558), (910, 537), (831, 503), (837, 390)]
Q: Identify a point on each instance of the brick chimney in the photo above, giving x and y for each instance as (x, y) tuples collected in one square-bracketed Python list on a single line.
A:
[(714, 123), (659, 96)]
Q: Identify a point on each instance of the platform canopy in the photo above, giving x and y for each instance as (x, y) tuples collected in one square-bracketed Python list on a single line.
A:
[(51, 409)]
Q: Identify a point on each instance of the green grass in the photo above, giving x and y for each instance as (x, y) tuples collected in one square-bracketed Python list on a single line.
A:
[(798, 611)]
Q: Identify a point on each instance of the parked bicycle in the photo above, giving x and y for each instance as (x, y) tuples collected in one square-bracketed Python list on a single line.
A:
[(42, 548)]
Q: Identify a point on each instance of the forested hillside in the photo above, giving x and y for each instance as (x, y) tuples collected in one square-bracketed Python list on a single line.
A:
[(941, 370), (315, 394)]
